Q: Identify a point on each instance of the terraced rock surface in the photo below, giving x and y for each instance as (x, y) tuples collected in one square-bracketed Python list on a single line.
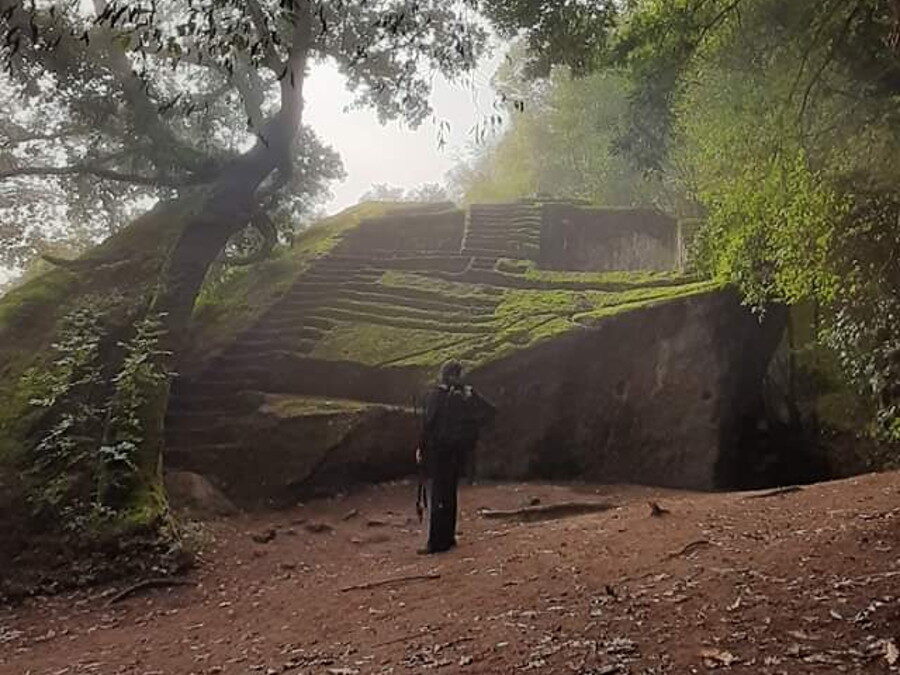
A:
[(502, 231), (372, 328)]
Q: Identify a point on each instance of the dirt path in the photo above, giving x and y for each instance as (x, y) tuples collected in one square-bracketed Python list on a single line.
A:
[(805, 581)]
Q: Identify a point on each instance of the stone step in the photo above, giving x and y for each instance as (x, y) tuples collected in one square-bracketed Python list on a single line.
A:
[(391, 310), (340, 275), (179, 456), (194, 399), (492, 252), (307, 321), (443, 305), (502, 232), (387, 255), (398, 292), (503, 229), (511, 217), (290, 327), (481, 236), (529, 222), (478, 209), (450, 327), (304, 376), (193, 419), (267, 348), (478, 243)]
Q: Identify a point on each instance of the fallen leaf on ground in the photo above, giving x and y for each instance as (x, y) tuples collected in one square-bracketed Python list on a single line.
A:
[(718, 658)]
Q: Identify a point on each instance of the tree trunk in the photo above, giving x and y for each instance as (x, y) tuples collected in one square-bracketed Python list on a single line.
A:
[(232, 199), (227, 206)]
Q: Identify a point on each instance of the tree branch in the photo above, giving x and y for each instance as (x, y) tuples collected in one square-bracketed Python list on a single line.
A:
[(249, 85), (144, 109), (270, 54), (26, 137), (106, 174)]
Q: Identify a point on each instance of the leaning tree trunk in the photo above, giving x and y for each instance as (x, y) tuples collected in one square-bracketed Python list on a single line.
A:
[(227, 206), (231, 201)]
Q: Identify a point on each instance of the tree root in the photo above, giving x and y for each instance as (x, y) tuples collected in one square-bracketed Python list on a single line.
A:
[(690, 548), (159, 582), (530, 514), (776, 492), (393, 580)]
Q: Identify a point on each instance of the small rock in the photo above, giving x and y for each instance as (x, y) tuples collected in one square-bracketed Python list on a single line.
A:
[(193, 492), (352, 513), (371, 539), (718, 658), (265, 536), (611, 669), (316, 527)]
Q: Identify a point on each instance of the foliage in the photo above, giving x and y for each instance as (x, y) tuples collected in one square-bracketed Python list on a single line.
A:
[(560, 142), (140, 376), (788, 141), (778, 123), (83, 456), (110, 105), (424, 193)]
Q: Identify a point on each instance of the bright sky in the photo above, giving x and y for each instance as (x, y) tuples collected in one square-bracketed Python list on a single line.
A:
[(395, 154)]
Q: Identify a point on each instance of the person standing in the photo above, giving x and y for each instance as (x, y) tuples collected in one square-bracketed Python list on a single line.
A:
[(453, 415)]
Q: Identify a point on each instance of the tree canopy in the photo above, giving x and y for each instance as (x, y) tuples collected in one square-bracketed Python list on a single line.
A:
[(776, 122), (111, 104)]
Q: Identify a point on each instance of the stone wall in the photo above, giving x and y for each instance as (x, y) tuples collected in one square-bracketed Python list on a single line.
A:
[(407, 231), (598, 239), (658, 396), (280, 456)]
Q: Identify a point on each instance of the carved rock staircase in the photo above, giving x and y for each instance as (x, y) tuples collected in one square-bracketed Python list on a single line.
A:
[(275, 354)]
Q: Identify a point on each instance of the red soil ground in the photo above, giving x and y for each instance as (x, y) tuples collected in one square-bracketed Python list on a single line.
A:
[(801, 582)]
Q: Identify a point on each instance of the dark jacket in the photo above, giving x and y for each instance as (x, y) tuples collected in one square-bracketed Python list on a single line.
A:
[(452, 418)]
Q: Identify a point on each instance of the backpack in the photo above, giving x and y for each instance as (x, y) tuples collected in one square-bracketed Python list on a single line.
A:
[(454, 422)]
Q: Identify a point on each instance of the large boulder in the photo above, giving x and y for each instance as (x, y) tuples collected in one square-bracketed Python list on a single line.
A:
[(658, 396), (194, 493)]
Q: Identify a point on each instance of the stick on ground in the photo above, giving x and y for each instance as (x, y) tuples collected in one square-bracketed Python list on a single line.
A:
[(547, 511), (690, 548), (774, 493), (393, 580), (160, 582)]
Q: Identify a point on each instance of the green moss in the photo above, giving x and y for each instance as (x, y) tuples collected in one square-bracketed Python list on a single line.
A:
[(375, 344), (453, 290), (647, 298), (624, 278), (520, 318), (24, 302), (147, 508), (233, 298), (285, 406)]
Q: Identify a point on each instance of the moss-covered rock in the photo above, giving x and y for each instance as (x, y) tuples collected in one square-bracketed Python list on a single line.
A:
[(53, 407)]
